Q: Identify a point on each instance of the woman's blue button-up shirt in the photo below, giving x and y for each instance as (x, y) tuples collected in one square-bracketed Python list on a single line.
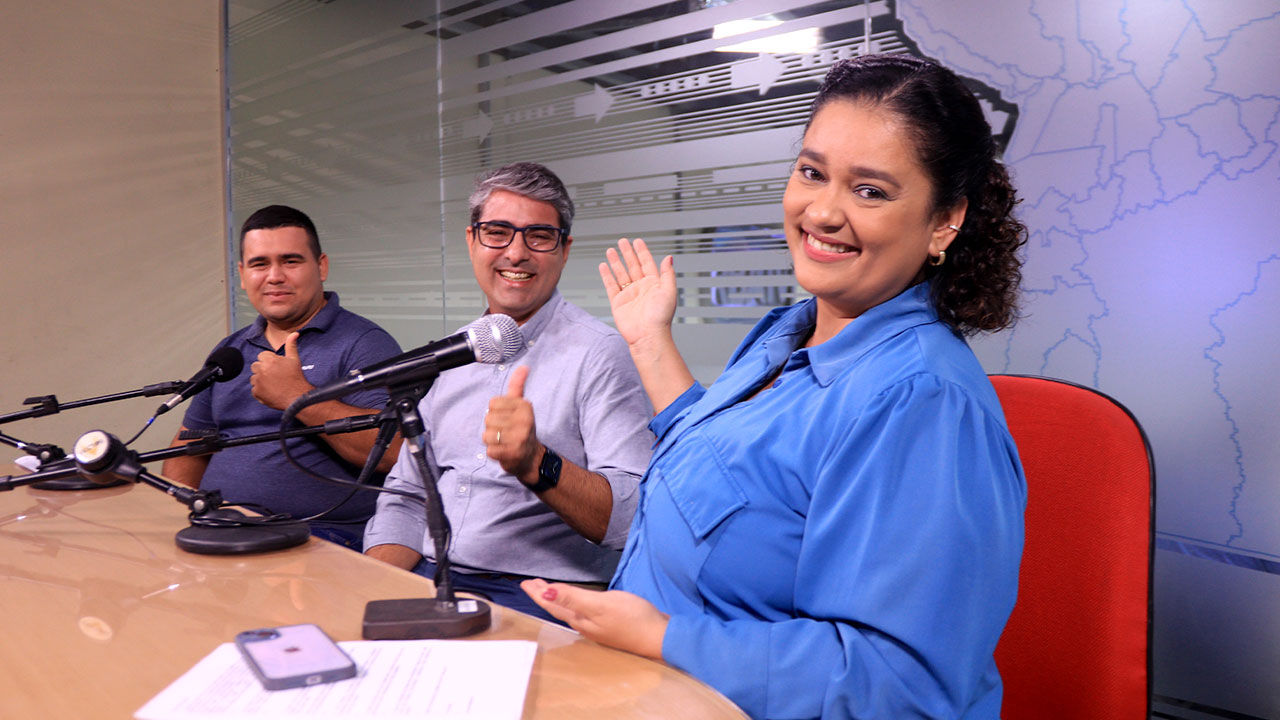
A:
[(846, 543)]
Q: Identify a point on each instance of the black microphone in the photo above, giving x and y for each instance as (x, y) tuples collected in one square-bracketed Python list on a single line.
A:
[(222, 365), (491, 339)]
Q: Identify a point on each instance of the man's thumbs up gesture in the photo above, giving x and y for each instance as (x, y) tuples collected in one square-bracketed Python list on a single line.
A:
[(509, 430), (277, 379)]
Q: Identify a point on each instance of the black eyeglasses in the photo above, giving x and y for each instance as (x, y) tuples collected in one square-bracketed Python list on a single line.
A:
[(538, 238)]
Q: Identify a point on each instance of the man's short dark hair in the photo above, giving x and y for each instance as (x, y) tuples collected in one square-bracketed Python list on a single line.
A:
[(281, 216)]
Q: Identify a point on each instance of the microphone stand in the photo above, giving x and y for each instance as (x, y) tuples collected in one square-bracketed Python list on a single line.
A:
[(50, 454), (443, 616), (101, 458)]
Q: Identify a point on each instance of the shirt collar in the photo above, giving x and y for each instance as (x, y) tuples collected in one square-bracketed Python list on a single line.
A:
[(542, 317), (322, 321), (910, 308)]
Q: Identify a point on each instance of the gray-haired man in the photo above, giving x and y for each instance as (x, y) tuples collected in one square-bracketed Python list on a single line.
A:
[(550, 499)]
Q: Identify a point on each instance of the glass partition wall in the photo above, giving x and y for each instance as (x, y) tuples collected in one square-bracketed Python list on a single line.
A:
[(671, 121), (334, 110)]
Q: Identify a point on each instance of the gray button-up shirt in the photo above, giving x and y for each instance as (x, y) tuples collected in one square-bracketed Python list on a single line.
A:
[(588, 406)]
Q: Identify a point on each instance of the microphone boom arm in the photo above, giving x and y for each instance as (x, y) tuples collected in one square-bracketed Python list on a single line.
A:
[(130, 465), (49, 405)]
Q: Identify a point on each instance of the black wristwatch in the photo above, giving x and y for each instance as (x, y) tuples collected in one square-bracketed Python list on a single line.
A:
[(548, 472)]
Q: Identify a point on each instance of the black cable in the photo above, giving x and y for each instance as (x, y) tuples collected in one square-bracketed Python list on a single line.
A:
[(354, 485), (284, 448), (265, 517), (139, 433)]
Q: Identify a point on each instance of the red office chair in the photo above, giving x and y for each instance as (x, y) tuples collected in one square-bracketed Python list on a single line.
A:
[(1078, 642)]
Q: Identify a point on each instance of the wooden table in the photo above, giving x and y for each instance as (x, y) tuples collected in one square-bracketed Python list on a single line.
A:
[(101, 611)]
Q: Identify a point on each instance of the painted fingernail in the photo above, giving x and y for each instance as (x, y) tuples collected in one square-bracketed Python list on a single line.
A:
[(549, 594)]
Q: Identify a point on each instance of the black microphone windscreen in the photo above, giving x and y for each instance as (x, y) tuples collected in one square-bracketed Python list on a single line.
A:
[(229, 362)]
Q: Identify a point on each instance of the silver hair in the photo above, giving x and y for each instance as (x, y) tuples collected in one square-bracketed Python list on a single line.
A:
[(530, 180)]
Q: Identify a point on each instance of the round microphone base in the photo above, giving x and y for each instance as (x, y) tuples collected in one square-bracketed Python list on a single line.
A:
[(424, 619), (225, 537), (75, 483)]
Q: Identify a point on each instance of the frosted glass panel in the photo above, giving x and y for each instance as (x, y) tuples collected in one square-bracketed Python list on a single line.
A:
[(659, 133), (333, 111)]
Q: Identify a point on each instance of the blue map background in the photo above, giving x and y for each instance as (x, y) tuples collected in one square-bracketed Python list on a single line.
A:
[(1146, 153)]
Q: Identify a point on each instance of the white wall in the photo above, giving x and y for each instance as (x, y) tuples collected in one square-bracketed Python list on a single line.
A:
[(112, 228)]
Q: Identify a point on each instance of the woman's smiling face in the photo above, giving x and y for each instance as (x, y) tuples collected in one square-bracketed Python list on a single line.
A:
[(859, 213)]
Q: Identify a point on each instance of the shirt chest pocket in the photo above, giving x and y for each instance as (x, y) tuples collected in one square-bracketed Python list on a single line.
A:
[(701, 498), (705, 496)]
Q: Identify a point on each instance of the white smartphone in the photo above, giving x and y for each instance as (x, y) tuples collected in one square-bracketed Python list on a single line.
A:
[(294, 656)]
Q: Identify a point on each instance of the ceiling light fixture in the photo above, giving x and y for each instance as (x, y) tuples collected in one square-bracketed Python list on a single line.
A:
[(798, 41)]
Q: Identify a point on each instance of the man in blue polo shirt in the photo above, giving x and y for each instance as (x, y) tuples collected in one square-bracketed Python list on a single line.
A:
[(302, 338)]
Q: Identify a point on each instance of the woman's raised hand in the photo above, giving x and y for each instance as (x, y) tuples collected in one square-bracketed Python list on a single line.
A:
[(643, 299), (642, 295)]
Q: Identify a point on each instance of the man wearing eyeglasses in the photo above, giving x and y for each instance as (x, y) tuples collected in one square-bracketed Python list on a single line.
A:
[(537, 460)]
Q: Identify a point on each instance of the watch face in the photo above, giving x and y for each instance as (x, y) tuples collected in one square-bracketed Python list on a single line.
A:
[(548, 471), (550, 466)]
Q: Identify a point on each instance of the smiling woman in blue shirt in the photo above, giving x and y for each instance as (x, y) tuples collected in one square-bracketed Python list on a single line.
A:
[(833, 528)]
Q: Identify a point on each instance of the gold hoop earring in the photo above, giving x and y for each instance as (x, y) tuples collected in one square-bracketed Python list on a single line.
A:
[(942, 257)]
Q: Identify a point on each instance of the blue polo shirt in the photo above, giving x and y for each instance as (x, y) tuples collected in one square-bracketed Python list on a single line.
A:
[(335, 342)]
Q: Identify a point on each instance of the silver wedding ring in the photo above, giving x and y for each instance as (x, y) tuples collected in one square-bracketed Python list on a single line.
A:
[(498, 439)]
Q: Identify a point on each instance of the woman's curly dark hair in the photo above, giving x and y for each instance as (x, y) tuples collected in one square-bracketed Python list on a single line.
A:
[(976, 288)]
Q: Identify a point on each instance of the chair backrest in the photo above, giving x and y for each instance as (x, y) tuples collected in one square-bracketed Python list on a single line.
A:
[(1078, 642)]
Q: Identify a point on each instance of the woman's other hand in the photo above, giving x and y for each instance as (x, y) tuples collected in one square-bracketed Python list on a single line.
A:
[(614, 618), (642, 295)]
